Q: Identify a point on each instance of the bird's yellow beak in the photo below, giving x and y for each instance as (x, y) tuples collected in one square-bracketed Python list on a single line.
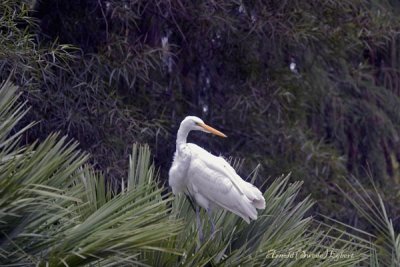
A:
[(211, 129)]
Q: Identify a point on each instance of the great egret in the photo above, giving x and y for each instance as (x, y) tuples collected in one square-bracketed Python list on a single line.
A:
[(208, 179)]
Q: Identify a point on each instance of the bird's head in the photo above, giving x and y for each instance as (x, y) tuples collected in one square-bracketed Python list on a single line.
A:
[(197, 124)]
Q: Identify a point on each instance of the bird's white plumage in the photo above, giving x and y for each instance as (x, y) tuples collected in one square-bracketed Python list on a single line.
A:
[(210, 180)]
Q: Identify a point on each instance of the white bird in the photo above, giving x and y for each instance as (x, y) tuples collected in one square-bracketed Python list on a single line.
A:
[(208, 179)]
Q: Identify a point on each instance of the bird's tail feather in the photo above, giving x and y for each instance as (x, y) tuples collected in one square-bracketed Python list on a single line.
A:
[(248, 209), (255, 196), (243, 209), (259, 203)]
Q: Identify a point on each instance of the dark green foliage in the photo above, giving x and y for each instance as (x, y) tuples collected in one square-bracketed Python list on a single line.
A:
[(228, 62), (56, 211)]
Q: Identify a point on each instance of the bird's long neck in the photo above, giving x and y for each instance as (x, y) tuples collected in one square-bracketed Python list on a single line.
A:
[(181, 136)]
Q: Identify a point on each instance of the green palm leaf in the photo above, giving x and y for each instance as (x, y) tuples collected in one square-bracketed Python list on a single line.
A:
[(55, 211)]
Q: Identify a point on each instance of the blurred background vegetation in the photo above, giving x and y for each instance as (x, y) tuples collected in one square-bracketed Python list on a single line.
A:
[(299, 86), (56, 210)]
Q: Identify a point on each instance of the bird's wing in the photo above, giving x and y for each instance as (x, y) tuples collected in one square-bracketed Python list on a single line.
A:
[(221, 166), (208, 187), (209, 180), (217, 164)]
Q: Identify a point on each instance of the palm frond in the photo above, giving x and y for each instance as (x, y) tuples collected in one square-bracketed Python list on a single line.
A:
[(56, 211), (370, 206), (282, 236)]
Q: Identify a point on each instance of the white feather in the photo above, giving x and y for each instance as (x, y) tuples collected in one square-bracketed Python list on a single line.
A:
[(211, 180)]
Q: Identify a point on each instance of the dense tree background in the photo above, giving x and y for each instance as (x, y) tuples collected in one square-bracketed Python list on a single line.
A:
[(306, 87), (111, 73)]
